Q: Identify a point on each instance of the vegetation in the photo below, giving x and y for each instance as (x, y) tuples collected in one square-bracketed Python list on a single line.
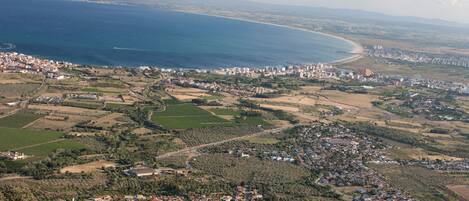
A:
[(422, 183), (276, 180), (186, 115), (83, 104), (44, 150), (199, 136), (13, 138), (226, 111), (19, 120), (18, 89)]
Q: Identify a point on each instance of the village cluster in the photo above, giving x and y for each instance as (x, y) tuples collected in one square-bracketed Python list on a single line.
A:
[(417, 57)]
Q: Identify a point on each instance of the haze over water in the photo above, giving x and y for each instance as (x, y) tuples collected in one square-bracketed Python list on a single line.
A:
[(115, 35)]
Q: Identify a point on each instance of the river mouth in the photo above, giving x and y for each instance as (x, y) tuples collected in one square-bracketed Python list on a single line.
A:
[(119, 35)]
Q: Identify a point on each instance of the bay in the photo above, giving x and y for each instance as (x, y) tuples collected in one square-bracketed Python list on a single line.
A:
[(117, 35)]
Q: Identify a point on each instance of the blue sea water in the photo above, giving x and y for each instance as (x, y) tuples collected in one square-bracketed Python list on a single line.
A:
[(114, 35)]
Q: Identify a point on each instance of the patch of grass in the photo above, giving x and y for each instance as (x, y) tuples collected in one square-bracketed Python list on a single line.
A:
[(19, 119), (184, 116), (253, 121), (119, 107), (226, 111), (45, 149), (83, 104), (11, 138), (186, 109)]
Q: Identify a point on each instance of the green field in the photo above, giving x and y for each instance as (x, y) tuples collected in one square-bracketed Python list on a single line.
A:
[(253, 121), (39, 144), (19, 120), (186, 109), (119, 107), (184, 116), (83, 104), (226, 111), (45, 149), (13, 138)]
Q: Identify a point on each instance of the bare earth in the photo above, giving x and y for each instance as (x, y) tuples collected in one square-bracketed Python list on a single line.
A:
[(88, 167)]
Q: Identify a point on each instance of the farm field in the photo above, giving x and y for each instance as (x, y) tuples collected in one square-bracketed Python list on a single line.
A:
[(102, 90), (19, 120), (186, 115), (42, 150), (13, 138), (225, 111), (240, 170), (15, 90), (87, 167), (421, 183)]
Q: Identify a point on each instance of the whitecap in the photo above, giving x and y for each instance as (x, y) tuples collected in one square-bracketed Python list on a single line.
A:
[(128, 49), (7, 46)]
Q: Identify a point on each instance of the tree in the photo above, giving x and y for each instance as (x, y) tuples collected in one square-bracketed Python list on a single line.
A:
[(3, 169)]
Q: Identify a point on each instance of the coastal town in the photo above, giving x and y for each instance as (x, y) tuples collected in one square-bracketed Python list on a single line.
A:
[(417, 57)]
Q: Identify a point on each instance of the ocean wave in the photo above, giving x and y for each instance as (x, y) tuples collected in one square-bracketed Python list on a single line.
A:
[(129, 49), (7, 46)]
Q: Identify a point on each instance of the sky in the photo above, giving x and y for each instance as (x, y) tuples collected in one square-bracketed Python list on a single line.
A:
[(450, 10)]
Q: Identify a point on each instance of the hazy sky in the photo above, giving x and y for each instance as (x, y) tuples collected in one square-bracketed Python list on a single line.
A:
[(452, 10)]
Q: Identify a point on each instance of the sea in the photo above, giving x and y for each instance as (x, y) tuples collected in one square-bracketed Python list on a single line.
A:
[(123, 35)]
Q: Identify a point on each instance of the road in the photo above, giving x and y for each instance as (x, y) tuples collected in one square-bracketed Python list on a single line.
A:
[(195, 148), (13, 178)]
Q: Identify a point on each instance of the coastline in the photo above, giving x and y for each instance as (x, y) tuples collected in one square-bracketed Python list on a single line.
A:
[(357, 51)]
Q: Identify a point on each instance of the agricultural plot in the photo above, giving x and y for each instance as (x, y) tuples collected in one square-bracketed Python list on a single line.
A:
[(184, 116), (19, 120), (102, 90), (42, 150), (252, 121), (225, 111), (13, 138), (83, 104), (15, 90), (239, 170), (421, 183)]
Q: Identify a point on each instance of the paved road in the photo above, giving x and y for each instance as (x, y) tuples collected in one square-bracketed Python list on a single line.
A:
[(195, 148)]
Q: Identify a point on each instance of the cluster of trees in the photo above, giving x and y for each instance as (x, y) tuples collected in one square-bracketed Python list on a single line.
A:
[(282, 115), (198, 136), (205, 102), (45, 168)]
